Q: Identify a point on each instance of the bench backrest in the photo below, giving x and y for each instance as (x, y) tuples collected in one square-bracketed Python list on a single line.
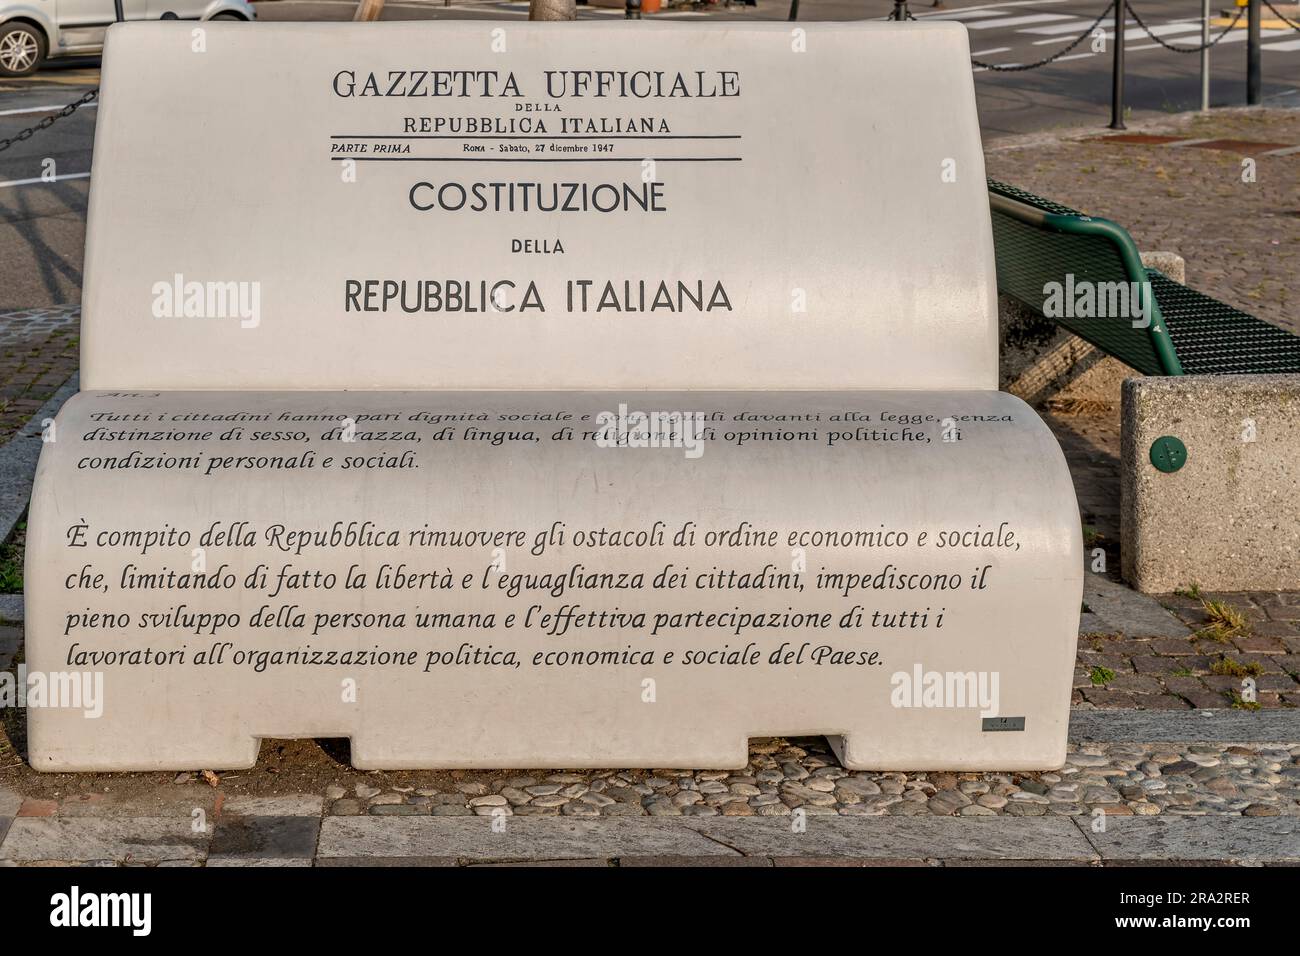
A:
[(754, 206)]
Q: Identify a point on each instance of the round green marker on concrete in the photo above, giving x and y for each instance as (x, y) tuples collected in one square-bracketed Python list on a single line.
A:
[(1168, 454)]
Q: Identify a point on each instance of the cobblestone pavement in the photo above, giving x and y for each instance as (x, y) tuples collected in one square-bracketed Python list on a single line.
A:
[(1205, 669), (38, 353)]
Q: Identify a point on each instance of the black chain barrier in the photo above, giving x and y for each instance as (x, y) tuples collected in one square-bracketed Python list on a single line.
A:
[(1277, 13), (1055, 56), (1185, 49), (1145, 29), (48, 121)]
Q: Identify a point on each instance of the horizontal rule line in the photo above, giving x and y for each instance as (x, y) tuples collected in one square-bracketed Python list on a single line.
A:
[(525, 136), (525, 159)]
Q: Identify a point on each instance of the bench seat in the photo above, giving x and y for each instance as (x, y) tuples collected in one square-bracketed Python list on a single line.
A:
[(262, 519), (1040, 241)]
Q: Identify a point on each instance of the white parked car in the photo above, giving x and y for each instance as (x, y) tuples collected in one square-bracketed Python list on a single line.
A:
[(32, 31)]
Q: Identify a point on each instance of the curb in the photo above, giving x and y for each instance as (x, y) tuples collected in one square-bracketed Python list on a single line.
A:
[(425, 841), (1185, 726)]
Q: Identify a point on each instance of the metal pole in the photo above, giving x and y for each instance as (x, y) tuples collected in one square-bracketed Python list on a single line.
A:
[(117, 9), (794, 9), (1205, 56), (1117, 76), (1253, 81)]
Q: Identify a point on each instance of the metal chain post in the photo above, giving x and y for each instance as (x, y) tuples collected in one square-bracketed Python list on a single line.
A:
[(1117, 70)]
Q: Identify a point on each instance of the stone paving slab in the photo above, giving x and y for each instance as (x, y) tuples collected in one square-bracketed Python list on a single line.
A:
[(247, 861), (1200, 838), (387, 861), (1004, 838), (839, 841), (1127, 612), (289, 805), (160, 803), (89, 838), (523, 839), (1221, 726), (265, 838)]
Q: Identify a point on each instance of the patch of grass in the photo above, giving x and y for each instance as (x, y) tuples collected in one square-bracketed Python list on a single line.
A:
[(1183, 672), (1090, 536), (11, 561), (1239, 704), (1101, 676), (1192, 591), (1223, 621), (1226, 667)]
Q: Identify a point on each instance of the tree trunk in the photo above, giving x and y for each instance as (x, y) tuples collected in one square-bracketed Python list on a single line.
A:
[(368, 10), (552, 10)]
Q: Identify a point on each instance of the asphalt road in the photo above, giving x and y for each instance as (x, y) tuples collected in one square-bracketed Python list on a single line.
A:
[(42, 223)]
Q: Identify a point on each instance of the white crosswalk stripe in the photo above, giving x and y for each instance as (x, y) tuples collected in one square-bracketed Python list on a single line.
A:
[(1016, 21)]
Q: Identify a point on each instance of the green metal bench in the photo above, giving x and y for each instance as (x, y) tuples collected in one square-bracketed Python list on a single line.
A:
[(1039, 242)]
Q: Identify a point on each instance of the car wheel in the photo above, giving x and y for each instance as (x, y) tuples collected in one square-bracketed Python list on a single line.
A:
[(228, 16), (22, 49)]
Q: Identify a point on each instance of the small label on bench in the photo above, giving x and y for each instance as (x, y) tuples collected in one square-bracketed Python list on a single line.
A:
[(1003, 723)]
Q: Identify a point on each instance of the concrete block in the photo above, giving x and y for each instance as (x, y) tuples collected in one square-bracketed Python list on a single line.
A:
[(141, 839), (1229, 519)]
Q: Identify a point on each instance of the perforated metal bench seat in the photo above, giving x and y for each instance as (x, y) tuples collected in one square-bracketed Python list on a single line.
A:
[(1039, 241)]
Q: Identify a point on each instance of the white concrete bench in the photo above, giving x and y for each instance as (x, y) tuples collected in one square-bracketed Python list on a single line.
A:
[(319, 482)]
